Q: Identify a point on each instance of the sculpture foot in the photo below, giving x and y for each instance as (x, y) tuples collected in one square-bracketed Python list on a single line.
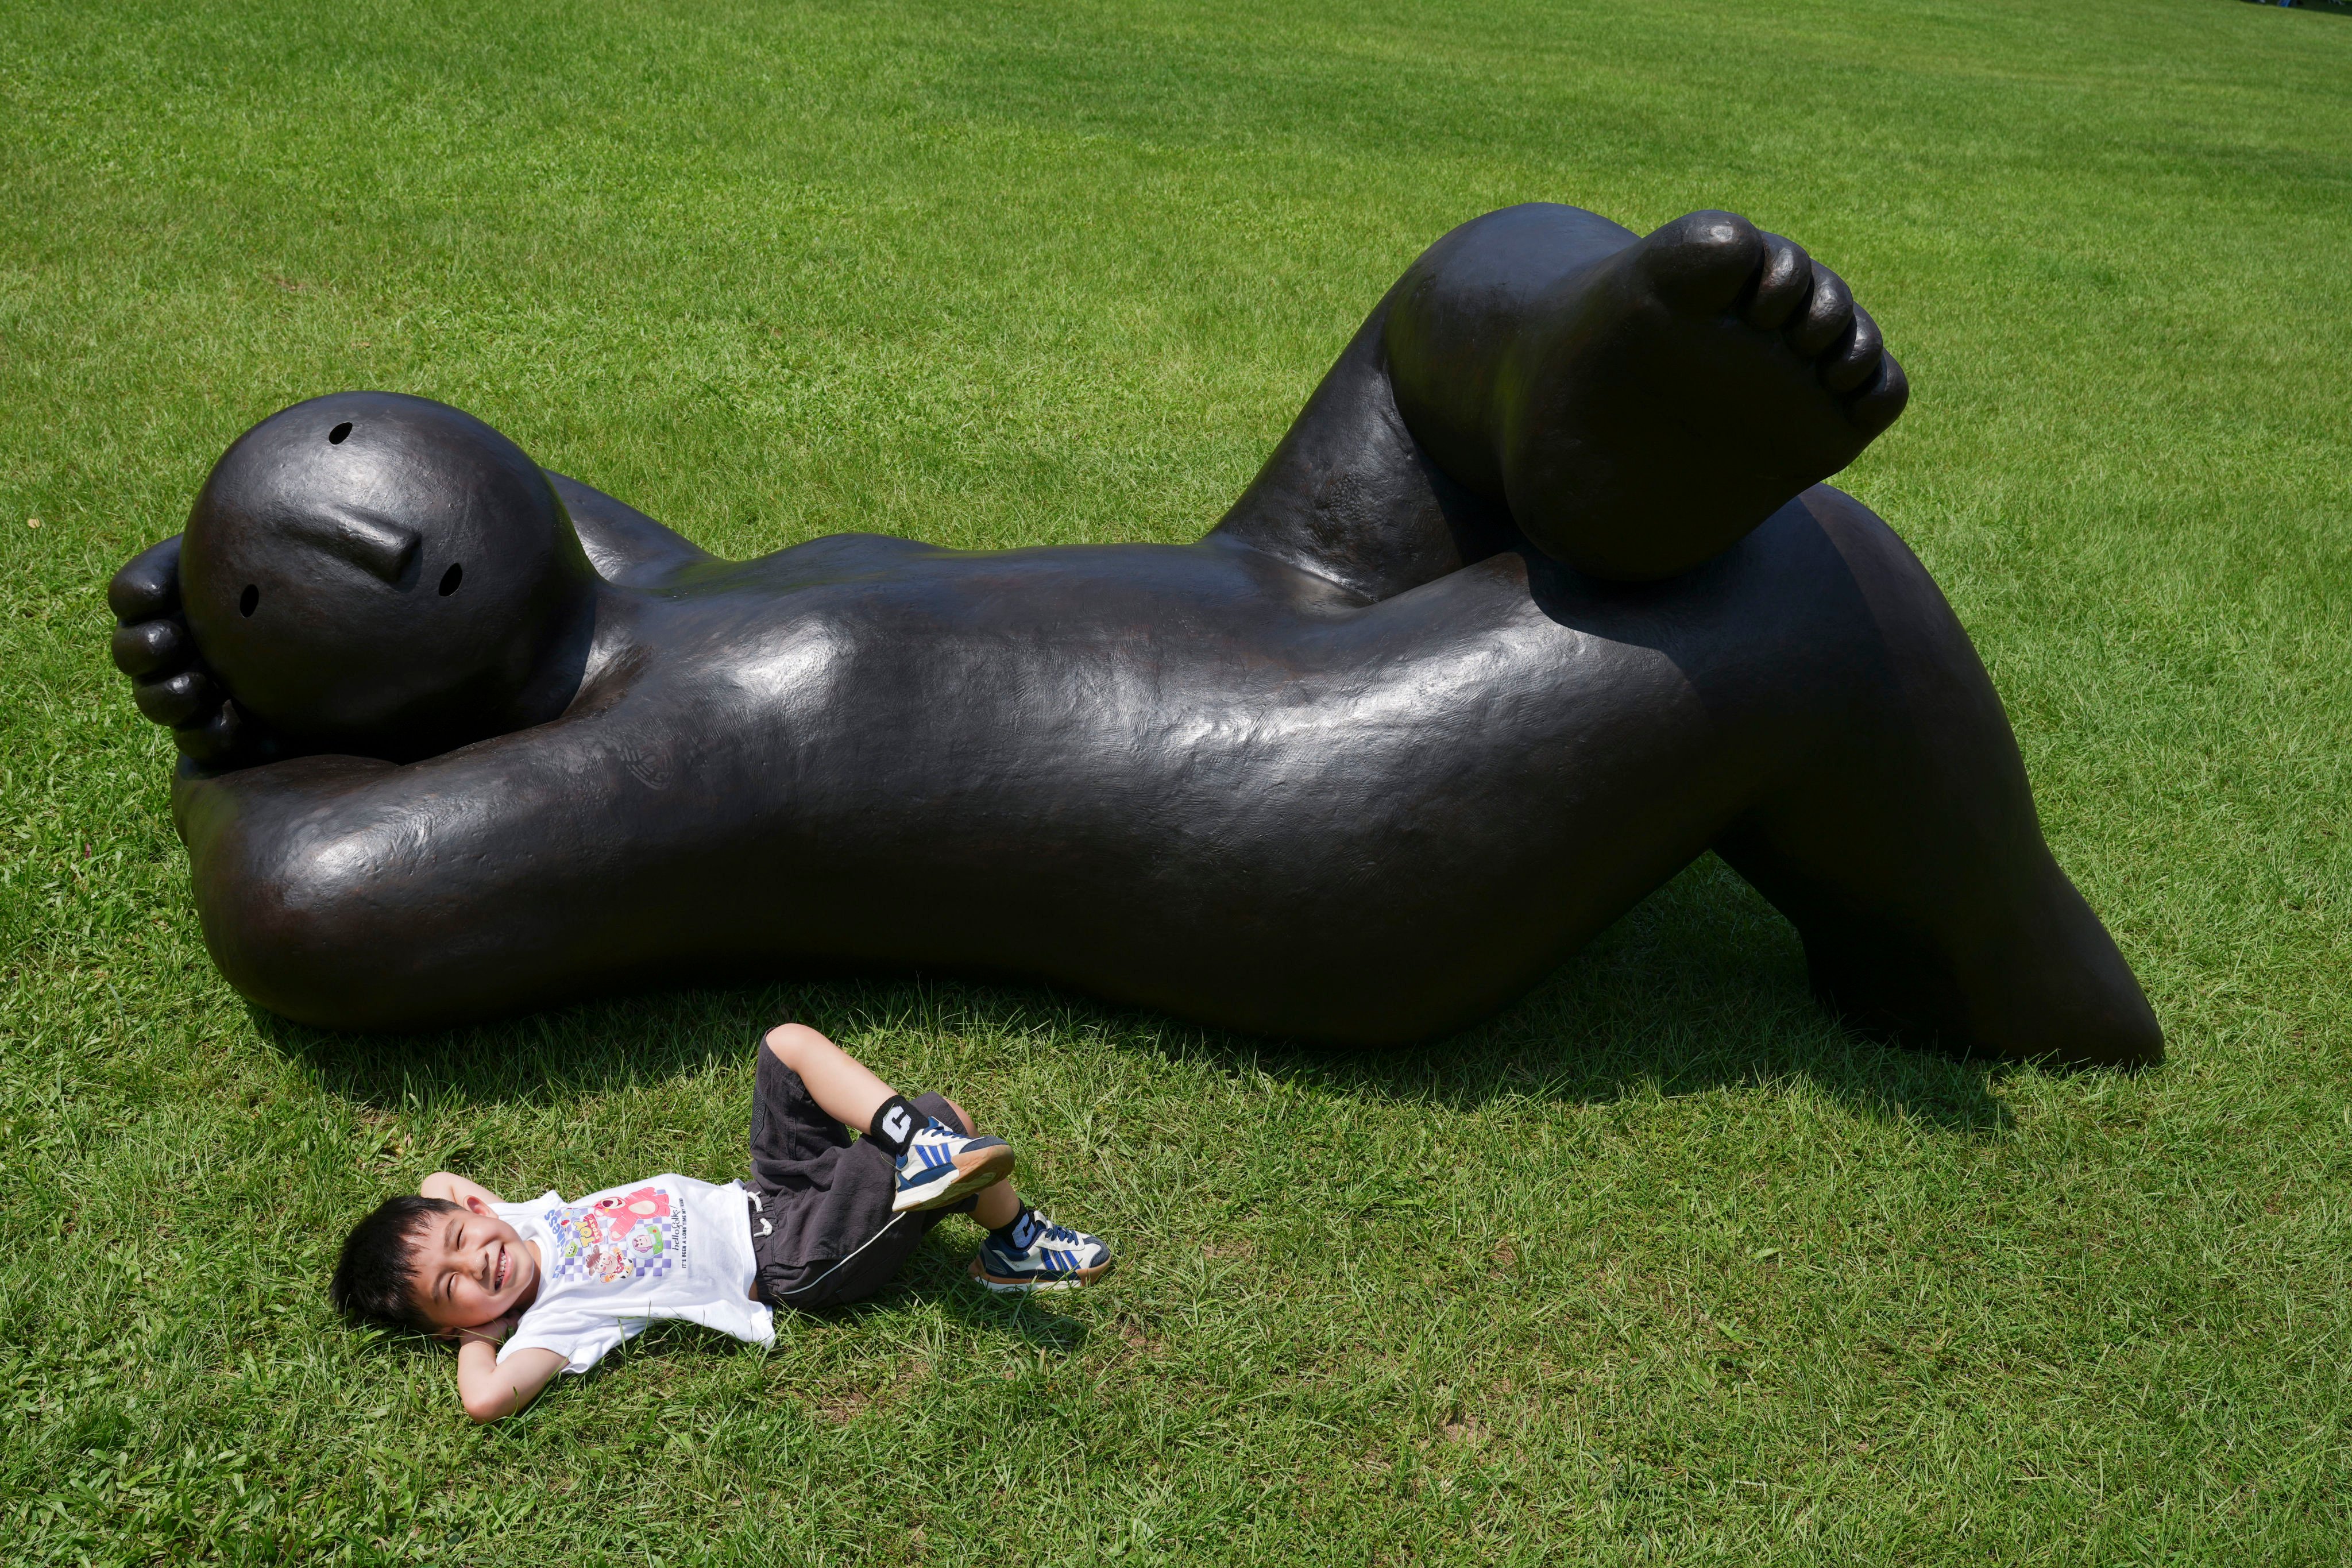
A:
[(2071, 1004), (1670, 397)]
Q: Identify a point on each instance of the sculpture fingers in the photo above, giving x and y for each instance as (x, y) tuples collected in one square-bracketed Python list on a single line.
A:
[(148, 586), (178, 700), (216, 741), (144, 650)]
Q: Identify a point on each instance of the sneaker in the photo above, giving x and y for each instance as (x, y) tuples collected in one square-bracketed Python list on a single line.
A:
[(1055, 1258), (940, 1167)]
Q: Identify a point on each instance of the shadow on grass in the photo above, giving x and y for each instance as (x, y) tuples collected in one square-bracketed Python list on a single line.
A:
[(1702, 987), (933, 1274), (598, 1046)]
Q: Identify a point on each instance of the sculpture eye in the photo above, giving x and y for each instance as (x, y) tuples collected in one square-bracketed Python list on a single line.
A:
[(451, 578), (335, 437), (247, 600)]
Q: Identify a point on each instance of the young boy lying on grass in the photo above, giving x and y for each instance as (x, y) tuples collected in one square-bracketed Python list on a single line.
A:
[(533, 1289)]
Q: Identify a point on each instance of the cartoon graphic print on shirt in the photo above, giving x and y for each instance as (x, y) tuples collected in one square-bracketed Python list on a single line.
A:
[(641, 1236), (622, 1213)]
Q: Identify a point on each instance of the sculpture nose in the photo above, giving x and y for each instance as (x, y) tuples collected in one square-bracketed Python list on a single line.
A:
[(369, 540)]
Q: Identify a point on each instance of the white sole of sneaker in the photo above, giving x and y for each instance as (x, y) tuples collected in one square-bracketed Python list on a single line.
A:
[(988, 1167), (1004, 1287)]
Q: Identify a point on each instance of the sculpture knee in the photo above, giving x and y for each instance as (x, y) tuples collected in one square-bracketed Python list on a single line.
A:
[(1461, 310)]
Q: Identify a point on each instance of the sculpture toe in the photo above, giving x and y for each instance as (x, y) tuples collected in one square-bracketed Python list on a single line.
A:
[(1826, 316), (1702, 262), (1881, 401)]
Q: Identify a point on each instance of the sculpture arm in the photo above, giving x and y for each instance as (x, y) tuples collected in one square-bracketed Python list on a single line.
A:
[(356, 894), (624, 546)]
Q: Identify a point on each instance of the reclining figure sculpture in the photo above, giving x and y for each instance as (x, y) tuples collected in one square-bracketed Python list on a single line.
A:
[(1540, 597)]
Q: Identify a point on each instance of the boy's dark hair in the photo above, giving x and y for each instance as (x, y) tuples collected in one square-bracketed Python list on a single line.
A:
[(374, 1277)]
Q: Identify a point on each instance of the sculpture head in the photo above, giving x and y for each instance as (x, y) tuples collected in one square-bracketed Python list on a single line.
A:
[(383, 574)]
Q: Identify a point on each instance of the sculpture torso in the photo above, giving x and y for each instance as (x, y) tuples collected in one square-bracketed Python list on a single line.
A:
[(864, 738)]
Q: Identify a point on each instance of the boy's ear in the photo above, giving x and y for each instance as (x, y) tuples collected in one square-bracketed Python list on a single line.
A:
[(474, 1202)]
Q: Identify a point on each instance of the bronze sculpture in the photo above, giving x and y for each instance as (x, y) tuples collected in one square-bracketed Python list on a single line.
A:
[(1540, 597)]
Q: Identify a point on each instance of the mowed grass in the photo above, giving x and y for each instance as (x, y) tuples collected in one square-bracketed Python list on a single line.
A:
[(1660, 1266)]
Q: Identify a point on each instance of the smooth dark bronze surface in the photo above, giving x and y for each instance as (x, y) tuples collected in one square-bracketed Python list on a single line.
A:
[(1540, 598)]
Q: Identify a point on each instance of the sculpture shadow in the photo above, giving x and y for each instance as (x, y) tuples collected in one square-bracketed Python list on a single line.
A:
[(1701, 987)]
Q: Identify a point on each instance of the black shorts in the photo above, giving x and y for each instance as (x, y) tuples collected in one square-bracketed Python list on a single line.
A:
[(822, 1229)]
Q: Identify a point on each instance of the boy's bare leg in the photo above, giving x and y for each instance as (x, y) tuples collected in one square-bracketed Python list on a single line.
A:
[(842, 1087), (996, 1207), (846, 1089)]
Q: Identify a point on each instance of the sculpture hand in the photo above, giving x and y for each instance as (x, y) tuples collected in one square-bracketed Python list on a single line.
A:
[(170, 682)]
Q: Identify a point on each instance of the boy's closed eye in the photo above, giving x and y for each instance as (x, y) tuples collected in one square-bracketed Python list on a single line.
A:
[(451, 1272)]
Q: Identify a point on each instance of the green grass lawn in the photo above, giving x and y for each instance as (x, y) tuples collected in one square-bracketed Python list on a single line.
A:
[(1658, 1267)]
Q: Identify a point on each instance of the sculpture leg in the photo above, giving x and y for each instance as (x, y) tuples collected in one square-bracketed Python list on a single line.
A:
[(1638, 404), (1632, 406), (1901, 837), (1379, 502), (1350, 497)]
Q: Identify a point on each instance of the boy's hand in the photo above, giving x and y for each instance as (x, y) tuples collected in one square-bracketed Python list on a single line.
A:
[(490, 1334)]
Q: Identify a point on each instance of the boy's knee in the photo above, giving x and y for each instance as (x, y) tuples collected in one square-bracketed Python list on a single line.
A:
[(786, 1040)]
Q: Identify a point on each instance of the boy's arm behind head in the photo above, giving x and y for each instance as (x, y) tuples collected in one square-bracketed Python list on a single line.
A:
[(378, 1282), (490, 1389), (452, 1188)]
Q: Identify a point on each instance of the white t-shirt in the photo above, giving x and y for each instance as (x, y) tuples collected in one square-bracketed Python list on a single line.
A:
[(669, 1246)]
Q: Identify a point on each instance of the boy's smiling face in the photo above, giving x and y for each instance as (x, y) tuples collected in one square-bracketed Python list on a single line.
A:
[(471, 1268)]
